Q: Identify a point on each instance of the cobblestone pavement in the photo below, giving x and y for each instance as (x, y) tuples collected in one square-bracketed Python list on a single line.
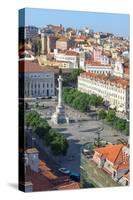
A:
[(78, 133)]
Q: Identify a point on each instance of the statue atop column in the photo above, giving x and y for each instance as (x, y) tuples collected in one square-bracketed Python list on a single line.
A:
[(59, 116)]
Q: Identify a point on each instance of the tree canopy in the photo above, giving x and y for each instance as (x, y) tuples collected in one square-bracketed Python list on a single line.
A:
[(116, 122), (51, 137), (80, 101)]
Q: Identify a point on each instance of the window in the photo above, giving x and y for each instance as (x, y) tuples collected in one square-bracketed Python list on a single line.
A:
[(43, 85), (126, 182), (47, 85), (108, 165), (51, 85), (114, 174), (38, 85)]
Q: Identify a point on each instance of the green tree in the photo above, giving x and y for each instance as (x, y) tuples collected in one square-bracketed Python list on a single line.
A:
[(74, 74), (99, 101), (102, 114), (127, 128), (59, 146), (42, 128), (80, 101), (120, 124), (30, 117), (93, 100), (111, 116), (50, 136)]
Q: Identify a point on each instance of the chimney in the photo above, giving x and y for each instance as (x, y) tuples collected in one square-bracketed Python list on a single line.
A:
[(33, 159)]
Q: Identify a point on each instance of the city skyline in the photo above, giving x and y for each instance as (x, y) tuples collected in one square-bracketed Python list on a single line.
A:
[(117, 24), (74, 102)]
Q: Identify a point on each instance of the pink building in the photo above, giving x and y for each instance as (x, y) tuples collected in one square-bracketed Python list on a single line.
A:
[(97, 53), (64, 44)]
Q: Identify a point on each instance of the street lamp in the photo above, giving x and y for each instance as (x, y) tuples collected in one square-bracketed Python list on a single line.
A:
[(33, 139), (97, 141)]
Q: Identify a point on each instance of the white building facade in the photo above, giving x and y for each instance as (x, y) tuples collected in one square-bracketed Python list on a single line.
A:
[(39, 84), (69, 56), (38, 81), (113, 90), (99, 69)]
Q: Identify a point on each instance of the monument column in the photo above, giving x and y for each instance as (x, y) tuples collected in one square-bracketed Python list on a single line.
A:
[(60, 91), (59, 115)]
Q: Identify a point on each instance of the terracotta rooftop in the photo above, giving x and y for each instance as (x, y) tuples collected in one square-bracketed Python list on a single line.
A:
[(114, 154), (40, 182), (122, 166), (106, 78), (46, 180), (69, 186), (69, 53), (95, 63), (29, 66), (46, 171), (72, 53)]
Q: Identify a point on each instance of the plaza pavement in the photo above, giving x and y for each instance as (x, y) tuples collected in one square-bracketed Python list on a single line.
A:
[(78, 133)]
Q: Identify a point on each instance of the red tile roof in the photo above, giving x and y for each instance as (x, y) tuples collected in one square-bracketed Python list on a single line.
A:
[(69, 186), (95, 63), (46, 180), (40, 182), (120, 82), (72, 53), (114, 154), (69, 52), (29, 66), (46, 171), (122, 166), (110, 152)]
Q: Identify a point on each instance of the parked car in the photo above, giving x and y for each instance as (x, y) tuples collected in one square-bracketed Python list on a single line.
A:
[(64, 171), (75, 176)]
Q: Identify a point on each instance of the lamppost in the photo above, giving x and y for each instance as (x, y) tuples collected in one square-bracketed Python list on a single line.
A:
[(33, 141), (97, 141)]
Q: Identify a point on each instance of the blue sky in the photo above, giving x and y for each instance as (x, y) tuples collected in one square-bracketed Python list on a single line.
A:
[(106, 22)]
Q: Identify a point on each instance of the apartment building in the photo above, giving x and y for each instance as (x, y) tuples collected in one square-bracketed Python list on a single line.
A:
[(112, 89)]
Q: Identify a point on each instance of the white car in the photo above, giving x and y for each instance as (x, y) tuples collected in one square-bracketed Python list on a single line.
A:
[(64, 170)]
